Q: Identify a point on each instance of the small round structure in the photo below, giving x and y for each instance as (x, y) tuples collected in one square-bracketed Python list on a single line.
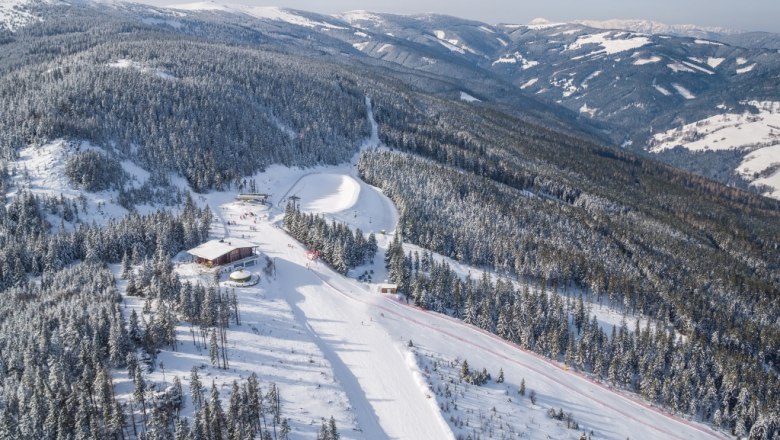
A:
[(241, 276)]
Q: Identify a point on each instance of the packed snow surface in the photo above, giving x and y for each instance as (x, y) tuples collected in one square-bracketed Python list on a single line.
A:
[(468, 98), (327, 193), (699, 68), (745, 69), (529, 83), (361, 46), (678, 67), (662, 90), (714, 61), (685, 93)]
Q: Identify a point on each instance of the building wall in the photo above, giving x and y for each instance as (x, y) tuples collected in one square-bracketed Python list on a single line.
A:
[(234, 255)]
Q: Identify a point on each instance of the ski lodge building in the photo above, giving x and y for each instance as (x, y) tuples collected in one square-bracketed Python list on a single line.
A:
[(253, 197), (387, 288), (221, 252)]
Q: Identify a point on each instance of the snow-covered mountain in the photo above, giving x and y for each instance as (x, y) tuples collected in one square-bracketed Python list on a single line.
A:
[(637, 78), (550, 283)]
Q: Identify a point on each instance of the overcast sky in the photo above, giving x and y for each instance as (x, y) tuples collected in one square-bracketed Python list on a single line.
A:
[(746, 15)]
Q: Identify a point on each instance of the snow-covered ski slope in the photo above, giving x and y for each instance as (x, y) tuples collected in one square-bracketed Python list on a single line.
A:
[(364, 335)]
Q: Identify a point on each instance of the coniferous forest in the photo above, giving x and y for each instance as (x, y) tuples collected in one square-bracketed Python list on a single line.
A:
[(652, 242), (335, 243)]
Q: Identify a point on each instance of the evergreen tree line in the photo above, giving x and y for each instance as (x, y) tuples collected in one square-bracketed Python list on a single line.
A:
[(157, 189), (643, 263), (336, 244), (61, 335), (28, 247), (249, 413), (94, 171), (58, 341), (167, 300), (690, 377), (639, 263)]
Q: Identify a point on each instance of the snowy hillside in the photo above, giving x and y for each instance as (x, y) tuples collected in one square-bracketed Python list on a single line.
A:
[(41, 171), (756, 132), (625, 76), (337, 348), (630, 75)]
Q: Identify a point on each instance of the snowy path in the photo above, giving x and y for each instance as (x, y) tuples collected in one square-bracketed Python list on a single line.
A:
[(386, 397)]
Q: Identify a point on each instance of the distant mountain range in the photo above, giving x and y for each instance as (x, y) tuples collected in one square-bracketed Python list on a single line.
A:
[(627, 81), (658, 28), (632, 78)]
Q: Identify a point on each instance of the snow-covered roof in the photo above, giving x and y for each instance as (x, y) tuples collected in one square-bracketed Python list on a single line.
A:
[(241, 275), (388, 286), (211, 250)]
